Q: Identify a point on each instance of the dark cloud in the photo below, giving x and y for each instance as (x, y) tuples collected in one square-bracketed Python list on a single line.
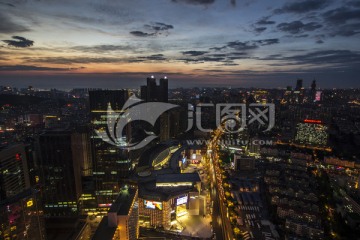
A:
[(217, 48), (238, 53), (260, 29), (340, 58), (142, 34), (103, 48), (7, 4), (202, 2), (237, 57), (87, 60), (19, 42), (319, 41), (74, 60), (239, 48), (265, 21), (211, 59), (242, 46), (189, 60), (303, 6), (346, 30), (196, 2), (248, 45), (297, 27), (155, 57), (159, 26), (341, 15), (7, 25), (194, 53), (259, 26), (153, 29), (33, 68), (343, 21), (297, 36), (203, 59), (328, 56), (229, 64), (354, 3), (218, 55), (269, 41)]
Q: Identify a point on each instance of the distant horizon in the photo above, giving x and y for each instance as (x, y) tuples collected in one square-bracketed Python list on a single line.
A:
[(95, 81), (70, 44), (174, 88)]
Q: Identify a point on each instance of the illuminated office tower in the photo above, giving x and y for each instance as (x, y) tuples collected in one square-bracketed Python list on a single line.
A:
[(312, 132), (80, 144), (21, 218), (111, 164), (80, 141), (60, 174), (14, 177)]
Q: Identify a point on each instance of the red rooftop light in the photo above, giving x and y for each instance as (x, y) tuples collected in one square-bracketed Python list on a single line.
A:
[(312, 121), (18, 156)]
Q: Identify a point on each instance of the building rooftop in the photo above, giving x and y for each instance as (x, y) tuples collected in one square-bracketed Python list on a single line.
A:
[(104, 232), (123, 202), (150, 154), (178, 177), (149, 191)]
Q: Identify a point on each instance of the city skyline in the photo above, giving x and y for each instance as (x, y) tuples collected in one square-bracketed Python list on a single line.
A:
[(65, 45)]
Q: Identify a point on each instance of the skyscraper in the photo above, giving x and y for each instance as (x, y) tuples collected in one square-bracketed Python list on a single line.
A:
[(60, 174), (299, 85), (14, 177), (313, 91), (111, 164), (153, 92), (299, 91), (21, 218), (122, 221), (158, 93)]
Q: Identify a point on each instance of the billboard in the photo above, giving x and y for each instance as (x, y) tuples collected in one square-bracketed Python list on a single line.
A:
[(153, 204), (318, 96), (181, 200)]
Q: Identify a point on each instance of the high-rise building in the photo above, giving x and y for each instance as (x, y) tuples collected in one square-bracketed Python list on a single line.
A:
[(298, 94), (80, 141), (21, 218), (312, 96), (299, 85), (60, 174), (242, 163), (312, 132), (122, 221), (158, 93), (111, 164), (14, 176), (153, 92)]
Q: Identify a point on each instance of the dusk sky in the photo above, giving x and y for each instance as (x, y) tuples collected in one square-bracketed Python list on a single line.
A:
[(239, 43)]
